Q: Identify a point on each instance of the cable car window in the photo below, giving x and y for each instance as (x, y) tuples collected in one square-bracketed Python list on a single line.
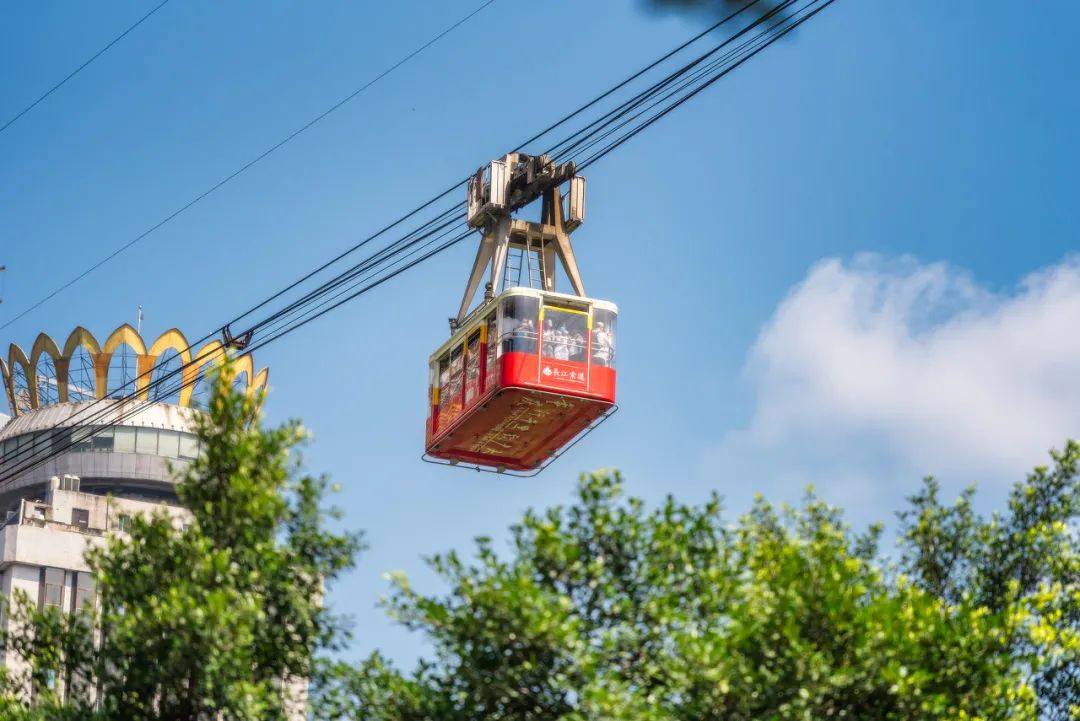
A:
[(603, 338), (520, 313), (565, 334), (444, 386), (492, 351), (472, 368), (450, 387)]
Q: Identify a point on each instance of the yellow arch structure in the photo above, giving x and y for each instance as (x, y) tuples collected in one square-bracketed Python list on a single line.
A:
[(213, 353), (44, 344), (244, 365), (124, 335), (171, 339), (17, 358), (8, 386), (81, 337), (258, 387)]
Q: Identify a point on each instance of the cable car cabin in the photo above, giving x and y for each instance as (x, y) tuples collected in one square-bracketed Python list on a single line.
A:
[(523, 375)]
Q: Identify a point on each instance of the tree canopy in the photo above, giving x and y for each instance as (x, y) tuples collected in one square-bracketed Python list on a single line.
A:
[(605, 608), (220, 618), (608, 610)]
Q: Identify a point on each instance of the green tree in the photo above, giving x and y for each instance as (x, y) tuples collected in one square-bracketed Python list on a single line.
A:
[(206, 621), (607, 610), (1026, 556)]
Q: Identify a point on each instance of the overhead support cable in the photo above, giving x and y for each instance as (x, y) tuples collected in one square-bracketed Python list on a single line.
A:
[(442, 230), (817, 6)]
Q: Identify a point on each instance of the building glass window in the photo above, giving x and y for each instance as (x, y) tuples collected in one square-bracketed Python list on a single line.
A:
[(124, 439), (85, 592), (102, 441), (169, 444), (81, 442), (124, 523), (10, 448), (42, 443), (146, 440), (189, 446), (52, 588), (80, 518), (99, 439)]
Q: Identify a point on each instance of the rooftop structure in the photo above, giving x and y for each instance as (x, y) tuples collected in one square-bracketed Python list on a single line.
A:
[(109, 413), (95, 432)]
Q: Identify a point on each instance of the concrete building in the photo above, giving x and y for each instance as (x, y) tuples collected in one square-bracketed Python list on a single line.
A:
[(91, 441)]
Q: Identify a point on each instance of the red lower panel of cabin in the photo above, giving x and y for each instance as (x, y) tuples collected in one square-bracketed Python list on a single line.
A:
[(539, 405), (517, 428)]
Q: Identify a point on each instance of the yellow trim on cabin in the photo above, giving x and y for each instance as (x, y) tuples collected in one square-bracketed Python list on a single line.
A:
[(564, 310)]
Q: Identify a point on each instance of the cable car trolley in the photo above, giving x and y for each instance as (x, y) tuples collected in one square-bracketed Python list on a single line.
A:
[(530, 370)]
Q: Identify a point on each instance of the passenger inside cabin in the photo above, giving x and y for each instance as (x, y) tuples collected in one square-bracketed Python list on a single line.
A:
[(523, 338), (550, 338), (603, 349), (577, 346)]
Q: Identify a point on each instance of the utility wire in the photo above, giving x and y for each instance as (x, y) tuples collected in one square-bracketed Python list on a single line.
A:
[(364, 265), (367, 274), (79, 69), (573, 141), (562, 121), (608, 128), (592, 159), (311, 315), (245, 167)]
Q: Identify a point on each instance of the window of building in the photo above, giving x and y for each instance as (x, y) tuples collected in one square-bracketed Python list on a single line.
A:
[(146, 440), (42, 443), (52, 588), (189, 446), (8, 449), (124, 523), (85, 592), (169, 444), (80, 517), (103, 440), (80, 440), (98, 439), (124, 439)]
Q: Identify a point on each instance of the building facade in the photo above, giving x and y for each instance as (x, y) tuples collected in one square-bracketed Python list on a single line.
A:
[(95, 434)]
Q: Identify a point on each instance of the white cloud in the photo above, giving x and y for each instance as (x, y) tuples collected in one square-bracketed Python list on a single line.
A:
[(878, 364)]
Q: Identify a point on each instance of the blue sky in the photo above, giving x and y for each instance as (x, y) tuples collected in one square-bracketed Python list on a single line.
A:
[(848, 263)]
